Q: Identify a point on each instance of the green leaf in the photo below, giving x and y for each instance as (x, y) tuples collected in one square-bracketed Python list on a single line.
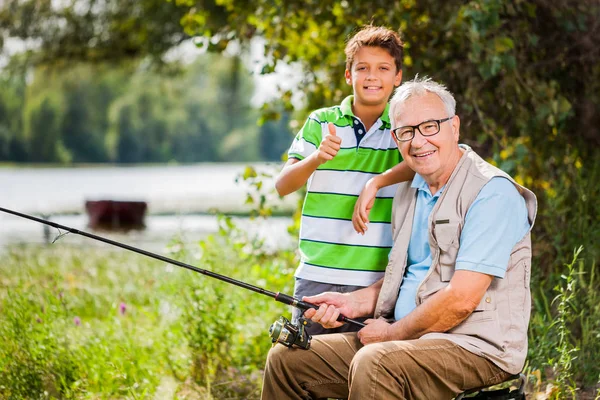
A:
[(503, 44), (249, 172)]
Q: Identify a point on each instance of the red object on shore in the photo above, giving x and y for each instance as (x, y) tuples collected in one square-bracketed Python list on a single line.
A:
[(116, 214)]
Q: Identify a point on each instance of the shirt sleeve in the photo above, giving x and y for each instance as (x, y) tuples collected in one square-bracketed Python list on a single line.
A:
[(496, 221), (307, 140)]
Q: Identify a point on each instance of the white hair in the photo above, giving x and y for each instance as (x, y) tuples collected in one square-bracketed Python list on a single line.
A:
[(419, 87)]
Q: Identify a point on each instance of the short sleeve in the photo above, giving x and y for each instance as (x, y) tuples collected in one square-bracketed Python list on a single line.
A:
[(496, 221), (307, 140)]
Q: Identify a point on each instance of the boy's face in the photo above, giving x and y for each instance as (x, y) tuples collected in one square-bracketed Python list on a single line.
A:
[(373, 76)]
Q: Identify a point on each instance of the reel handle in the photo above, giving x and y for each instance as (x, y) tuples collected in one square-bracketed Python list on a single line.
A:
[(303, 305)]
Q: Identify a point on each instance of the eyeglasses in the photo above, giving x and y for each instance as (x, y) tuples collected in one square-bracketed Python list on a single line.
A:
[(427, 128)]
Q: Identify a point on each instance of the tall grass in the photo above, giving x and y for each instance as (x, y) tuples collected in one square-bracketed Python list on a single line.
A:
[(227, 326), (93, 322), (82, 324), (564, 332)]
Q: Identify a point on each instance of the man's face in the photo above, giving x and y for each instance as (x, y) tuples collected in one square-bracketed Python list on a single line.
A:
[(429, 156), (373, 76)]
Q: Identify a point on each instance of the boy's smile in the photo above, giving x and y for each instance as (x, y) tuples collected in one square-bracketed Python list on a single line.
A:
[(373, 76)]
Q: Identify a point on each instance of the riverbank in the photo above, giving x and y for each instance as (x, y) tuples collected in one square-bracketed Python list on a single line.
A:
[(157, 234)]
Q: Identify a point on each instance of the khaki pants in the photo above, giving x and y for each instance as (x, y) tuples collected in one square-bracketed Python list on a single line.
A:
[(338, 366)]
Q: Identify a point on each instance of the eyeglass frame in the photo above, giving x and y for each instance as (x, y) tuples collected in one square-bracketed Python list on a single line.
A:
[(416, 127)]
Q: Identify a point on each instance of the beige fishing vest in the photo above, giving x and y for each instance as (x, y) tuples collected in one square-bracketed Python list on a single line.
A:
[(497, 329)]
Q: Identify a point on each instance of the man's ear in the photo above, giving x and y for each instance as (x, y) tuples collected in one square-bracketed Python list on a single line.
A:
[(348, 76), (456, 127), (394, 139)]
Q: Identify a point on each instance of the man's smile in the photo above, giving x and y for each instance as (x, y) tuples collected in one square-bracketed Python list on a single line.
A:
[(424, 154)]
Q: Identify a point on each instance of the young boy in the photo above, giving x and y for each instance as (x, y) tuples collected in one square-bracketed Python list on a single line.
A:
[(336, 152)]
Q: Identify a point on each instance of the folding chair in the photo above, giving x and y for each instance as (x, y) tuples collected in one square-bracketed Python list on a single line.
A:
[(498, 394)]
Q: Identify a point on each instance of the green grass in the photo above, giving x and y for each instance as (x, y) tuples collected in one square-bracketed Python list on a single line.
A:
[(102, 323), (181, 335)]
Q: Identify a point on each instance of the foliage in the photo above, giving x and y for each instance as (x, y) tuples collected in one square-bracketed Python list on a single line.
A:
[(95, 30), (569, 221), (566, 352), (81, 322), (34, 359), (72, 323), (482, 49), (11, 102), (570, 327), (274, 137), (99, 113), (226, 334)]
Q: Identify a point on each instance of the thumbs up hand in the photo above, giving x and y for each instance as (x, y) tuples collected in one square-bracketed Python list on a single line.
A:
[(330, 145)]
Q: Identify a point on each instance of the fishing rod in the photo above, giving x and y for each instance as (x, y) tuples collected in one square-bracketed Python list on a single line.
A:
[(282, 331)]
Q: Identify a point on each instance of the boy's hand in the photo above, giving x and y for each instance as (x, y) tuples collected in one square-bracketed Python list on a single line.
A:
[(363, 206), (330, 145)]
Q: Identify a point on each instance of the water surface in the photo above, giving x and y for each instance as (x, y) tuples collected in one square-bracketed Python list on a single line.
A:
[(178, 198)]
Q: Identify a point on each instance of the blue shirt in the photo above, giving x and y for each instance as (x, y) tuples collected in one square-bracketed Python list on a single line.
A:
[(495, 222)]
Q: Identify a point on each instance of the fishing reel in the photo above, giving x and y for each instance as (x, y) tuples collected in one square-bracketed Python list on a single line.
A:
[(288, 334)]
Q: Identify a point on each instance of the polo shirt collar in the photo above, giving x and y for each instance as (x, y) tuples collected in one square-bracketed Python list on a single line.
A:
[(346, 108), (419, 183), (385, 117)]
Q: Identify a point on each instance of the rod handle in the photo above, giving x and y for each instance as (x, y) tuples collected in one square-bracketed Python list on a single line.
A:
[(303, 305)]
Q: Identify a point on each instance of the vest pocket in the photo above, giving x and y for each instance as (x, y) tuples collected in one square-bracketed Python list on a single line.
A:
[(521, 258), (485, 310), (476, 316), (446, 236), (487, 303)]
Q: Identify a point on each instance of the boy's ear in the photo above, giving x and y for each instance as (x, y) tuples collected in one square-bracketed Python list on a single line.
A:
[(398, 79), (348, 76)]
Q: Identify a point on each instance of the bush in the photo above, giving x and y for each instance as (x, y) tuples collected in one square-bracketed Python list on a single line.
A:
[(227, 327)]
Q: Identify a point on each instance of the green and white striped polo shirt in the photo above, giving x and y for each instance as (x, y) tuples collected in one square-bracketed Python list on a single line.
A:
[(331, 251)]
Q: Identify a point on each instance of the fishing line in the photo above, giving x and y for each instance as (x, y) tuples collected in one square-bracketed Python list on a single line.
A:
[(60, 235)]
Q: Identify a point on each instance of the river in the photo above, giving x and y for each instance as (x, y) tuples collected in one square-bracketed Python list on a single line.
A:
[(180, 200)]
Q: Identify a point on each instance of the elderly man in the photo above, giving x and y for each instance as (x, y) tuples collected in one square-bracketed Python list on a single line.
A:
[(452, 311)]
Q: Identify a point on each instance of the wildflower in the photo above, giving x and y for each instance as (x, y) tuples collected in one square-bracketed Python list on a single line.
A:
[(77, 321), (122, 308)]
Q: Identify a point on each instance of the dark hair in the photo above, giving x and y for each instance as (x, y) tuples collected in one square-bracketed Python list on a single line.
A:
[(375, 36)]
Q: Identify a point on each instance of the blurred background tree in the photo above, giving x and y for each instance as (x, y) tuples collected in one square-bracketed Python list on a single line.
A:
[(92, 30), (92, 81)]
